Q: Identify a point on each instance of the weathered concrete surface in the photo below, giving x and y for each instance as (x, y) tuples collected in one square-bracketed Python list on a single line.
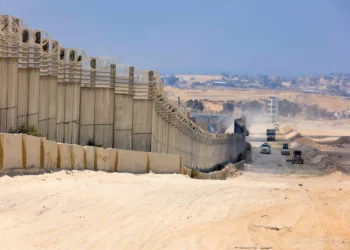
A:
[(31, 152), (135, 162), (123, 121), (113, 157), (48, 155), (11, 158), (64, 160), (102, 159), (164, 163), (90, 157), (78, 155)]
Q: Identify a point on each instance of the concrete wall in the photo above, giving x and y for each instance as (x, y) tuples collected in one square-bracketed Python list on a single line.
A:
[(27, 154), (99, 102), (135, 162), (164, 163)]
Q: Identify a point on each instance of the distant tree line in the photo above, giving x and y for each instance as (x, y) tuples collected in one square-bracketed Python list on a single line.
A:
[(195, 104)]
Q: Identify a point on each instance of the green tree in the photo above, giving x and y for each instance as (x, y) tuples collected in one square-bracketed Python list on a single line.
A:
[(189, 103)]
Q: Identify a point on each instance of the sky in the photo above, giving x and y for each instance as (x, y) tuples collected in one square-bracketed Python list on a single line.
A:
[(275, 37)]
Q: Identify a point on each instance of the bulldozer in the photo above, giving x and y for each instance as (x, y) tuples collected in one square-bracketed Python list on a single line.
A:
[(297, 158)]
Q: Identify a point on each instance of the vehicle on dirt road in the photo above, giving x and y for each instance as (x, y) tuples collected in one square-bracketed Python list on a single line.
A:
[(270, 134), (265, 149), (276, 126), (297, 158), (285, 149)]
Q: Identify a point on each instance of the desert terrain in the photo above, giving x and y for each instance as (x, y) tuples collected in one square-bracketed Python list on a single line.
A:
[(271, 205)]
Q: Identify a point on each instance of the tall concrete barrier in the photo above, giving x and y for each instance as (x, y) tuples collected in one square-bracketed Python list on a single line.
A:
[(3, 94), (123, 115), (76, 99), (104, 114), (22, 96), (87, 115), (164, 163), (135, 162)]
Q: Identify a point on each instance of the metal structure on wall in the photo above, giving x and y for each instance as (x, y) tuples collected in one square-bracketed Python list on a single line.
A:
[(77, 99)]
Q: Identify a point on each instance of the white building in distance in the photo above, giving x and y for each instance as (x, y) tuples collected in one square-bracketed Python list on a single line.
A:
[(272, 109)]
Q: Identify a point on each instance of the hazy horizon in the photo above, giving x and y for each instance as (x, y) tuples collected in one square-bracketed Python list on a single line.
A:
[(248, 37)]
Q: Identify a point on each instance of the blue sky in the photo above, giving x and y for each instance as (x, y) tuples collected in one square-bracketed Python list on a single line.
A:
[(281, 37)]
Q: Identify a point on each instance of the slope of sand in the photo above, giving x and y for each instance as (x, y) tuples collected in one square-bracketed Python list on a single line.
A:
[(96, 210), (329, 128), (331, 103)]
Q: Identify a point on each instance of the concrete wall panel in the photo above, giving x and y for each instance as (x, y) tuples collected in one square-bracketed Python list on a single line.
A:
[(61, 93), (68, 113), (102, 159), (12, 88), (22, 96), (44, 105), (104, 112), (123, 121), (76, 113), (64, 156), (48, 155), (11, 154), (164, 163), (87, 115), (132, 162), (33, 96), (142, 125), (78, 155), (52, 108), (3, 95), (113, 159), (31, 152), (90, 157)]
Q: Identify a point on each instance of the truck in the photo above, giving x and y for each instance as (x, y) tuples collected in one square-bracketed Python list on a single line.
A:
[(271, 134), (285, 149)]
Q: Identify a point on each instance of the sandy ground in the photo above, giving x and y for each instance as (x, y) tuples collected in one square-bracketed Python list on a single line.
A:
[(273, 205), (330, 103), (323, 128)]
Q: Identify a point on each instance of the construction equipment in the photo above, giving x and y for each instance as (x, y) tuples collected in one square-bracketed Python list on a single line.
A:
[(297, 158), (285, 149)]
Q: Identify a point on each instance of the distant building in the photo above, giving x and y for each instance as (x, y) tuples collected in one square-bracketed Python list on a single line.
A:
[(219, 84), (272, 108), (263, 79)]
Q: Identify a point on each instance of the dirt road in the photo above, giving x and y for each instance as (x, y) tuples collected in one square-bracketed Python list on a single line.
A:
[(265, 208)]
